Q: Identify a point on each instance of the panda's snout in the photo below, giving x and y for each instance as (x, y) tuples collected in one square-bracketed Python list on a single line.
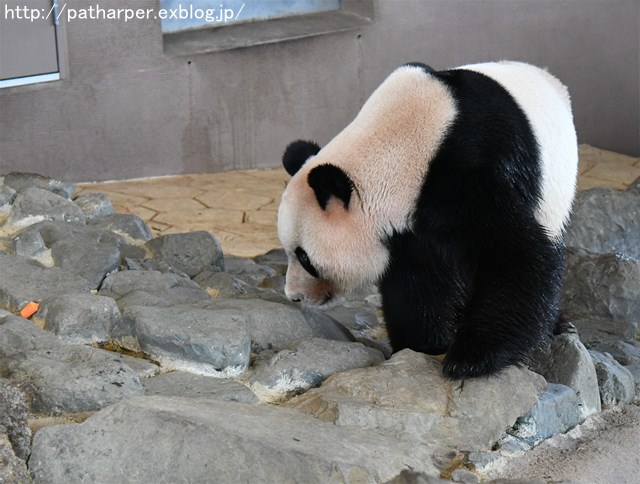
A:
[(321, 300), (293, 296)]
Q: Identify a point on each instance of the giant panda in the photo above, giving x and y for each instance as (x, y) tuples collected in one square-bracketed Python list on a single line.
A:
[(450, 190)]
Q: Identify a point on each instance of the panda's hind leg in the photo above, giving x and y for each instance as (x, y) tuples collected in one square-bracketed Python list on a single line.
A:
[(423, 295), (513, 310)]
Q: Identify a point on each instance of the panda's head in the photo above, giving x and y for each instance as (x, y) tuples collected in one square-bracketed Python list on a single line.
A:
[(329, 242), (346, 200)]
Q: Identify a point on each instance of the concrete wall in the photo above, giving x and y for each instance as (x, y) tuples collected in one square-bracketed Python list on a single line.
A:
[(126, 110)]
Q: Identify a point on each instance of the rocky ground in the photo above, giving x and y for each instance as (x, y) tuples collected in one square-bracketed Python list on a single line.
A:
[(127, 358)]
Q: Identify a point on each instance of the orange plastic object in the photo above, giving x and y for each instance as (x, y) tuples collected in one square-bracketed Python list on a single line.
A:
[(29, 310)]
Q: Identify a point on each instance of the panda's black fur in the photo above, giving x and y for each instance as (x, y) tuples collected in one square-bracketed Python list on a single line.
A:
[(487, 302), (476, 276)]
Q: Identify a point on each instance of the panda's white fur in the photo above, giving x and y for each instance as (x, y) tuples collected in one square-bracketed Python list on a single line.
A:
[(397, 131), (545, 100)]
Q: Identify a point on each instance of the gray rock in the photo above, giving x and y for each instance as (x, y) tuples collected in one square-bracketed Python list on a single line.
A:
[(94, 204), (276, 259), (625, 352), (21, 181), (307, 364), (138, 254), (23, 280), (604, 285), (14, 408), (87, 251), (275, 283), (188, 385), (267, 295), (510, 446), (19, 335), (357, 317), (277, 326), (248, 270), (151, 288), (232, 441), (223, 285), (635, 186), (144, 368), (202, 341), (71, 378), (13, 470), (4, 314), (79, 318), (408, 397), (566, 361), (615, 381), (594, 331), (324, 326), (7, 196), (606, 220), (191, 252), (55, 231), (411, 477), (635, 372), (140, 263), (129, 226), (91, 261), (35, 204), (29, 243), (555, 412)]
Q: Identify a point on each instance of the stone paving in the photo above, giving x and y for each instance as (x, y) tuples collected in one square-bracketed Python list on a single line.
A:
[(240, 207), (302, 395)]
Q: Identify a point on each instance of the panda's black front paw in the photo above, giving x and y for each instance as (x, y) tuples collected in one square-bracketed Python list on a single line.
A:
[(463, 362)]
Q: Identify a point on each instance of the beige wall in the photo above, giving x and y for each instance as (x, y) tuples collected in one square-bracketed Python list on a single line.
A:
[(126, 110)]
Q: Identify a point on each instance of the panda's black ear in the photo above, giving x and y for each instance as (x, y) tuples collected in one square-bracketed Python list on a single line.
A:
[(330, 181), (297, 153)]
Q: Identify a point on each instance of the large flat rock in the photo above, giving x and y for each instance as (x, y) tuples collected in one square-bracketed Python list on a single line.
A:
[(151, 288), (307, 364), (81, 318), (188, 385), (277, 326), (191, 253), (35, 204), (162, 439), (601, 285), (566, 361), (203, 341), (408, 397), (606, 220), (23, 280), (63, 378)]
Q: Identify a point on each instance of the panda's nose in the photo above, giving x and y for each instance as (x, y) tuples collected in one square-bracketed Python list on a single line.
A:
[(293, 296)]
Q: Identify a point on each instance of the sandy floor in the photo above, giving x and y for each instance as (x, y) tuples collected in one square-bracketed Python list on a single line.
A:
[(605, 449), (240, 207)]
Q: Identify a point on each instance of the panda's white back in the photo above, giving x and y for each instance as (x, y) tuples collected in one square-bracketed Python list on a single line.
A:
[(545, 101)]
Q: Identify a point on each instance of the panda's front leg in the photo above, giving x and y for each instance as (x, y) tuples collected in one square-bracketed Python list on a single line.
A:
[(513, 310), (423, 294)]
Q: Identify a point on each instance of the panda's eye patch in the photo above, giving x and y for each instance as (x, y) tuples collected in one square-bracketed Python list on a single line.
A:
[(303, 258)]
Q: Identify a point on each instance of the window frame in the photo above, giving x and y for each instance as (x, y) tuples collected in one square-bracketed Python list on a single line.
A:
[(353, 14)]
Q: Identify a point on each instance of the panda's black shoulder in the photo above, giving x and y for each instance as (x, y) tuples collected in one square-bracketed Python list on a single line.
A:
[(490, 125), (424, 67)]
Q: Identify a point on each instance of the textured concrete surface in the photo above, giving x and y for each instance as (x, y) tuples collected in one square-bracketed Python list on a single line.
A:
[(126, 108), (241, 207)]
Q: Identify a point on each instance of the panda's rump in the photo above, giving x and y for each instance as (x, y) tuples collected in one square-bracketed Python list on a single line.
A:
[(545, 102)]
